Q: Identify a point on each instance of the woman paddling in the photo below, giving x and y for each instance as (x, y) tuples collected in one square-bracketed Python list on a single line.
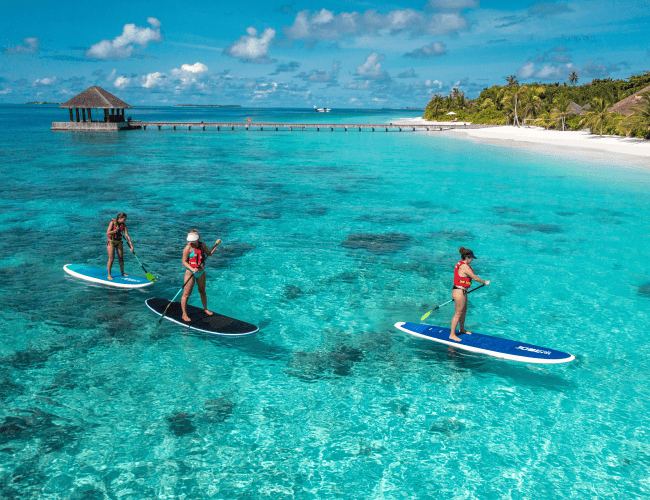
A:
[(194, 256), (463, 276), (116, 229)]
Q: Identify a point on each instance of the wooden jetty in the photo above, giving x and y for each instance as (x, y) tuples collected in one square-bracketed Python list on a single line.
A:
[(290, 127)]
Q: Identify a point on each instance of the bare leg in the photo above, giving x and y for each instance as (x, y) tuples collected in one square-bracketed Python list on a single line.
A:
[(204, 297), (186, 295), (120, 256), (461, 322), (460, 302), (111, 256)]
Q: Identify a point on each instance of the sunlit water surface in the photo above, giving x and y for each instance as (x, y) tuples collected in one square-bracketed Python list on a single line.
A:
[(328, 240)]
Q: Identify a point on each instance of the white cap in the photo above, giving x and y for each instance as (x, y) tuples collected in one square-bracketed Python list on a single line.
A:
[(193, 237)]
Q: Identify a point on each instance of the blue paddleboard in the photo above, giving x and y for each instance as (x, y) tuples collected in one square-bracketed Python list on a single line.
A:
[(485, 344), (99, 275)]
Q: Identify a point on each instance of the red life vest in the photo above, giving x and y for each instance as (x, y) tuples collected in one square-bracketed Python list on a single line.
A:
[(196, 257), (460, 281), (117, 237)]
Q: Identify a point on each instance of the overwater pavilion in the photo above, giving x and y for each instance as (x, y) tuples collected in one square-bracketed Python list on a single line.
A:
[(82, 117)]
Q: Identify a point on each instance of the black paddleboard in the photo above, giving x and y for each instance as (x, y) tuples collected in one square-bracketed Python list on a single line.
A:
[(217, 324)]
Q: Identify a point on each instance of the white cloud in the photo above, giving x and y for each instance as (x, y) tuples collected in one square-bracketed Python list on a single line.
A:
[(434, 49), (446, 23), (433, 83), (561, 72), (153, 80), (250, 48), (325, 25), (371, 69), (6, 91), (29, 46), (44, 82), (124, 45), (197, 67), (121, 82), (321, 75), (452, 4), (527, 70)]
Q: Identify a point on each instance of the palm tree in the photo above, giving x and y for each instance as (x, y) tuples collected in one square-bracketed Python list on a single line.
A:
[(512, 80), (435, 108), (532, 100), (562, 108), (511, 102), (573, 78), (597, 115)]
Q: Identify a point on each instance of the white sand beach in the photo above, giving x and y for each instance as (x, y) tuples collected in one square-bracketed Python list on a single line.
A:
[(534, 137)]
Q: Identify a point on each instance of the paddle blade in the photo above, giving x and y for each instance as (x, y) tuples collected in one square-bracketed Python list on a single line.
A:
[(426, 316), (150, 277)]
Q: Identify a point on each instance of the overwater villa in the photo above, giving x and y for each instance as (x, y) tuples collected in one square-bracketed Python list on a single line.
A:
[(81, 119)]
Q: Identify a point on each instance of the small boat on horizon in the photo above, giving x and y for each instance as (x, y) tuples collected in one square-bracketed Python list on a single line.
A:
[(322, 110)]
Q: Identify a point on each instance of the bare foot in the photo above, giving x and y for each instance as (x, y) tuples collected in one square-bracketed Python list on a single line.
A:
[(208, 312), (110, 277), (463, 332), (125, 275), (453, 336), (186, 318)]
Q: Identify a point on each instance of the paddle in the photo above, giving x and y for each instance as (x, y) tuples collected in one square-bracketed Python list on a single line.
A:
[(445, 303), (149, 276), (188, 280), (171, 301)]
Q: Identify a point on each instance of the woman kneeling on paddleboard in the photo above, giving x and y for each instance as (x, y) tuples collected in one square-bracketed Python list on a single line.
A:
[(194, 256), (117, 228), (463, 276)]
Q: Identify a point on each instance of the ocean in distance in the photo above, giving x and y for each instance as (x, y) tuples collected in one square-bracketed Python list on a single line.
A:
[(329, 238)]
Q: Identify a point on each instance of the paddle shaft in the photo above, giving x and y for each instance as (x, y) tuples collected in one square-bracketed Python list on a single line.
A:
[(170, 302), (445, 303), (149, 276), (188, 280)]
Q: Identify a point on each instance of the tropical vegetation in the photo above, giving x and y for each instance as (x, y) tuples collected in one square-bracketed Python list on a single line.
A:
[(554, 106)]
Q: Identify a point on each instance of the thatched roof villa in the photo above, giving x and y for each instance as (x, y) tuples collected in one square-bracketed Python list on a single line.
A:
[(94, 98)]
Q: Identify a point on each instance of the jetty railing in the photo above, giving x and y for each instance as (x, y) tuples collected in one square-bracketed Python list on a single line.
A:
[(395, 127)]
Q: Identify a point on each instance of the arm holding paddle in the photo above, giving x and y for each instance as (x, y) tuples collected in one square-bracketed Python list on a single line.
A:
[(128, 238), (470, 273)]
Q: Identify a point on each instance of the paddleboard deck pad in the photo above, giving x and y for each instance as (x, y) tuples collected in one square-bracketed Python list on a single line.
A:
[(216, 324), (485, 344), (99, 275)]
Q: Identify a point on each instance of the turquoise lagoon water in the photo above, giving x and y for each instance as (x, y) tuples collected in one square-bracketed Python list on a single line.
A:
[(328, 240)]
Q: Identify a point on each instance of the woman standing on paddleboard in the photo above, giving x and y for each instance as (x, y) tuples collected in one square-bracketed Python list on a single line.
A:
[(116, 229), (194, 256), (463, 276)]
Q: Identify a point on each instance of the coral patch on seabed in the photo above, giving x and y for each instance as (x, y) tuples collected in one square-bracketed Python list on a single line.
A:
[(379, 244), (311, 366), (180, 423), (521, 228), (292, 292), (644, 290), (218, 409)]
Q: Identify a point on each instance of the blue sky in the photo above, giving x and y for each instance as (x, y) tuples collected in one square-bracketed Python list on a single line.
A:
[(336, 53)]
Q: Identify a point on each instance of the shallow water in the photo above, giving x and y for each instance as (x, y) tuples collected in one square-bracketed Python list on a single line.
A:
[(328, 240)]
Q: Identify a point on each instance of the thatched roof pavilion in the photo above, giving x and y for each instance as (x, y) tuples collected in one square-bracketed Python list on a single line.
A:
[(96, 98), (630, 104)]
